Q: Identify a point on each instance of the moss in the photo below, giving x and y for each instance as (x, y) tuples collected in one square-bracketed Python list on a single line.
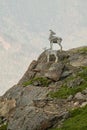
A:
[(40, 80), (77, 120), (4, 127)]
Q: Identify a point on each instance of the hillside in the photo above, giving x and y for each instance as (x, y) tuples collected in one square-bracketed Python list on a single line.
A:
[(50, 95)]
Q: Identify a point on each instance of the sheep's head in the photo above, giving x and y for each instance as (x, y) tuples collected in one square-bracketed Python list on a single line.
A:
[(52, 32)]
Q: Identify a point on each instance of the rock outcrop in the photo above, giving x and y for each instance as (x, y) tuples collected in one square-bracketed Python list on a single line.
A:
[(34, 104)]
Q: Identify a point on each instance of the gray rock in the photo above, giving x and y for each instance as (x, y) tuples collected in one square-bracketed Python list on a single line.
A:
[(33, 64), (84, 92), (53, 75), (65, 115), (66, 73), (55, 71), (70, 98), (78, 59), (43, 68), (83, 104), (27, 119), (80, 96), (75, 82)]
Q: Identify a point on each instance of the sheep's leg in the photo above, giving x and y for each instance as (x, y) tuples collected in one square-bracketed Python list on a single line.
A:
[(51, 45), (48, 58), (56, 57), (60, 46)]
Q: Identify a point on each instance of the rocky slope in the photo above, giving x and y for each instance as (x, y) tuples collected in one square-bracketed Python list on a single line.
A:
[(47, 92)]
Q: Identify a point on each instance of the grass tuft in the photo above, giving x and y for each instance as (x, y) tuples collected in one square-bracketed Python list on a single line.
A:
[(3, 127), (82, 50), (40, 81)]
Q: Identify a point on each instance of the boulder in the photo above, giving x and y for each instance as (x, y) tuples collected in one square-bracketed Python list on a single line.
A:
[(55, 71), (83, 104), (43, 68), (80, 96)]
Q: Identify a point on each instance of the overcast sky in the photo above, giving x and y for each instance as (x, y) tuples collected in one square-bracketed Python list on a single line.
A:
[(24, 31)]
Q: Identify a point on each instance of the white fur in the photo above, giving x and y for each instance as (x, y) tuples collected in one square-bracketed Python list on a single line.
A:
[(53, 38), (51, 52)]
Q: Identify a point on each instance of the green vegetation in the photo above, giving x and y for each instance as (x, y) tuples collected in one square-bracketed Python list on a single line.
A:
[(82, 50), (65, 91), (77, 120), (3, 127), (41, 81), (83, 73)]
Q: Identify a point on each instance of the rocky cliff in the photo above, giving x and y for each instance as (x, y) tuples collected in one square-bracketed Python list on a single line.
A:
[(46, 93)]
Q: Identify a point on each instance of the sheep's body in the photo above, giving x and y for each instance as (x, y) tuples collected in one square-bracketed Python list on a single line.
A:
[(55, 40), (51, 52)]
